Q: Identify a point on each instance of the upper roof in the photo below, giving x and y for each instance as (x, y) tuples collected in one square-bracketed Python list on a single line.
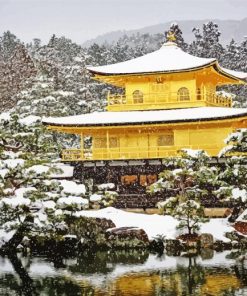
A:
[(146, 117), (169, 58)]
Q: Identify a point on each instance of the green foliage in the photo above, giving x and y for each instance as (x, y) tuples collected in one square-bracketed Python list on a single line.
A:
[(104, 197), (187, 182), (235, 171)]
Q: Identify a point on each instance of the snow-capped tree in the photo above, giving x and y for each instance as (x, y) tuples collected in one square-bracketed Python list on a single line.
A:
[(235, 171), (187, 180), (207, 42), (16, 66), (32, 200), (40, 98), (105, 196)]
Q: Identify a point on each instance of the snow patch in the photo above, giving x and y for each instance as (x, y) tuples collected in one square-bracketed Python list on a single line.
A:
[(30, 120), (155, 225), (71, 187)]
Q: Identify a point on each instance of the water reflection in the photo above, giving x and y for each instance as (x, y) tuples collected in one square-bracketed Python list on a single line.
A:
[(124, 274)]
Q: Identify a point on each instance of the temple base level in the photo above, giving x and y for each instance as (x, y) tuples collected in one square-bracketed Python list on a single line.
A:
[(131, 179)]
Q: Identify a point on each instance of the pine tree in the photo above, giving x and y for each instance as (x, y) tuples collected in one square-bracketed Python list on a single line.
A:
[(207, 43), (32, 200), (235, 172), (16, 67), (186, 183)]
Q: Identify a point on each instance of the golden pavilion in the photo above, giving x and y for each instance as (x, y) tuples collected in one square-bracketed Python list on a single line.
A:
[(169, 101)]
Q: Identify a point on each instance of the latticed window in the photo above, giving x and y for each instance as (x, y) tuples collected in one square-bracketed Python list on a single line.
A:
[(198, 94), (158, 87), (129, 179), (101, 142), (113, 142), (147, 179), (183, 94), (166, 140), (137, 97)]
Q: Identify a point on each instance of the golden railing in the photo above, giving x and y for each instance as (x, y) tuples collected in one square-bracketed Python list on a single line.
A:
[(76, 154), (167, 99), (132, 152)]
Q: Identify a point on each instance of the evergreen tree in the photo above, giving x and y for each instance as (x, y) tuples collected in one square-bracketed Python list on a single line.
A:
[(32, 200), (235, 172), (8, 44), (186, 181), (207, 43), (16, 67)]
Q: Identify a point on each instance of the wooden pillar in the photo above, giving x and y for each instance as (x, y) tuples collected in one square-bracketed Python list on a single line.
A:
[(107, 143), (204, 93), (82, 146)]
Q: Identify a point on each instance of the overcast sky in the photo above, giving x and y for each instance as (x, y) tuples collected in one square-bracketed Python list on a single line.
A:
[(85, 19)]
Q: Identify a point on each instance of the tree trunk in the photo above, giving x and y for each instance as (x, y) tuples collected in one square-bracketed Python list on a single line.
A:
[(11, 246), (235, 214), (27, 284)]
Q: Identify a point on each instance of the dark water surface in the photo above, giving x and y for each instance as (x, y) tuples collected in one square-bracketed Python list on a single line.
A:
[(125, 274)]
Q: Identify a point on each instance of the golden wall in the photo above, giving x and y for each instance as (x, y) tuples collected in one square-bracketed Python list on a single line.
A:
[(150, 142)]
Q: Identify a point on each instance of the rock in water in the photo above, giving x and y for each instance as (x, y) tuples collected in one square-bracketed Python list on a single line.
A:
[(206, 240), (127, 237)]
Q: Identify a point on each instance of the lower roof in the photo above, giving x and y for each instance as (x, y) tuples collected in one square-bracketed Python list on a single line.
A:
[(147, 117)]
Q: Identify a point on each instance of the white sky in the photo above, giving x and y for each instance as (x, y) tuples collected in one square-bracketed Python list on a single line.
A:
[(85, 19)]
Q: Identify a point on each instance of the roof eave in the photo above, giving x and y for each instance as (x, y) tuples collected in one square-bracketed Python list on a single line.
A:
[(228, 75), (153, 72), (236, 116)]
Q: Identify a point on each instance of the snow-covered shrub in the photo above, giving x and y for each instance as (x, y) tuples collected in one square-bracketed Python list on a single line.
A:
[(189, 212), (236, 144), (105, 196), (32, 201), (186, 180)]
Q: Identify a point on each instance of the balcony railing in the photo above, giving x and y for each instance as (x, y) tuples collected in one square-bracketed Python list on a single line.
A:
[(76, 154), (125, 153), (121, 102)]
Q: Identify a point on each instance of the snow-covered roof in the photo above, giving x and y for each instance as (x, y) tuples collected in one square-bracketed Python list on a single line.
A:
[(169, 58), (145, 117)]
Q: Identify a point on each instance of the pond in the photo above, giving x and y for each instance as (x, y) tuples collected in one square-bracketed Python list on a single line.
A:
[(121, 273)]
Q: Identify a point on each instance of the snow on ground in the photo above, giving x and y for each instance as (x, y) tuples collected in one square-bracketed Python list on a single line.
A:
[(157, 224), (217, 227), (152, 224)]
